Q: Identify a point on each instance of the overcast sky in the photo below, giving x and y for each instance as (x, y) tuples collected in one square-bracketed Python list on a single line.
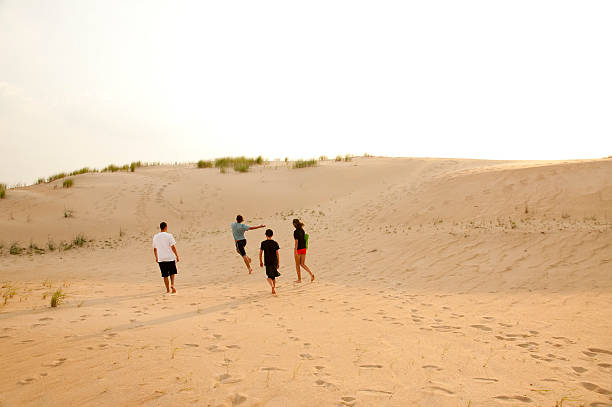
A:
[(87, 83)]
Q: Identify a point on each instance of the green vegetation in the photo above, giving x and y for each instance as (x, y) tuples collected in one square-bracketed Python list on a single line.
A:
[(205, 164), (8, 293), (366, 155), (323, 158), (57, 298), (79, 241), (348, 158), (338, 158), (114, 168), (134, 165), (55, 177), (83, 170), (240, 164), (40, 181), (35, 249), (68, 213), (16, 249), (2, 191), (68, 183), (305, 163)]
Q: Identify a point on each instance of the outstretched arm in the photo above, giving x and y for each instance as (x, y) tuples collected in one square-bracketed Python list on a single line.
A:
[(256, 227), (175, 252)]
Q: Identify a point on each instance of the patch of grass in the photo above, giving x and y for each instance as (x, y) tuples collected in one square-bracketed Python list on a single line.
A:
[(240, 164), (205, 164), (323, 158), (57, 298), (83, 170), (305, 163), (8, 293), (51, 245), (15, 249), (338, 158), (40, 181), (79, 240), (259, 160), (134, 165), (35, 249), (68, 213), (366, 155), (2, 191), (55, 177), (348, 158), (68, 183)]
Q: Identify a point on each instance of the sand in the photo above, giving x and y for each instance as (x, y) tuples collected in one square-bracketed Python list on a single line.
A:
[(440, 282)]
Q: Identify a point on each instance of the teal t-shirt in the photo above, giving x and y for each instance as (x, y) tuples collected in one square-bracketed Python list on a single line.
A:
[(238, 230)]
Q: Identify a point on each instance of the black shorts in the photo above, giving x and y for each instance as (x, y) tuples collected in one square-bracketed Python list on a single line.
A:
[(167, 268), (240, 246), (272, 271)]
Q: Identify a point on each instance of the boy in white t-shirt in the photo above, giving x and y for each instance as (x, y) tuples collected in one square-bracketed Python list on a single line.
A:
[(165, 255)]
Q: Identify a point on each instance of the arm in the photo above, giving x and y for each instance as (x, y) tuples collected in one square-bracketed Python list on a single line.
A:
[(175, 252), (295, 249), (277, 260), (260, 261), (256, 227), (155, 253)]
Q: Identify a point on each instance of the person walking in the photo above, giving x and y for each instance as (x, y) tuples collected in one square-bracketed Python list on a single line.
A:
[(299, 250), (269, 249), (166, 256)]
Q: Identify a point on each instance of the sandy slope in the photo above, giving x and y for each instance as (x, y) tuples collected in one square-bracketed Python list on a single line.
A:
[(439, 283)]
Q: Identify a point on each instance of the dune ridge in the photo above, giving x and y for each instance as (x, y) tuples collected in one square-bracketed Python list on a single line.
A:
[(440, 282)]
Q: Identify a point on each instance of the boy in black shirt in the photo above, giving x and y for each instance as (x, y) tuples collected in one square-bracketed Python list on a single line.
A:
[(269, 248)]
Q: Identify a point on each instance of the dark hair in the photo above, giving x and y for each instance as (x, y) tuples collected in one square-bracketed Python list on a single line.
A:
[(163, 225), (298, 224), (269, 232), (239, 218)]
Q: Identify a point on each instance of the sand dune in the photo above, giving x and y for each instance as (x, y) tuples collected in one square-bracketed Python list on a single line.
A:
[(440, 282)]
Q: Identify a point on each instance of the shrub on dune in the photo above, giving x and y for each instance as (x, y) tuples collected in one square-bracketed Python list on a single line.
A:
[(2, 191), (305, 163), (205, 164), (57, 298), (68, 183)]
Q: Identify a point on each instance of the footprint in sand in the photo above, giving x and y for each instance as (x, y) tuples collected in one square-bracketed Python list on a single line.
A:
[(579, 369), (440, 390), (524, 399), (595, 388), (46, 319), (485, 379), (323, 383), (371, 366), (481, 327), (347, 401), (597, 350), (432, 367), (27, 380), (56, 362), (226, 378), (306, 356)]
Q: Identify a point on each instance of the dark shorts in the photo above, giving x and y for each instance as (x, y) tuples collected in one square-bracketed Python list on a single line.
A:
[(167, 268), (240, 246), (272, 271)]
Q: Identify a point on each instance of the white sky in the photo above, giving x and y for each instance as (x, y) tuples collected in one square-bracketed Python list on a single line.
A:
[(87, 83)]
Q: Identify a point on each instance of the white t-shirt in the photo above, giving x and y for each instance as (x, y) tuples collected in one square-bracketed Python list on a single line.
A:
[(163, 242)]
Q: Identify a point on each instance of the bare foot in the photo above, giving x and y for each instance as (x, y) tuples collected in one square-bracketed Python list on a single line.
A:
[(250, 270), (297, 281), (173, 290), (273, 291), (311, 278)]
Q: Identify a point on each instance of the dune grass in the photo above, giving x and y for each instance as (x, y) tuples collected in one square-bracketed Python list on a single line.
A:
[(79, 240), (305, 163), (15, 249), (2, 191), (205, 164), (68, 183), (338, 158), (55, 177), (239, 164), (57, 298)]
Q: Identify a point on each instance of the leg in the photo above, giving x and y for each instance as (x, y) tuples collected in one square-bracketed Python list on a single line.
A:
[(297, 268), (167, 283), (247, 262), (305, 267), (172, 283), (272, 284)]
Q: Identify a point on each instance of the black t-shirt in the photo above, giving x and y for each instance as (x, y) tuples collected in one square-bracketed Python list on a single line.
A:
[(298, 235), (269, 248)]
